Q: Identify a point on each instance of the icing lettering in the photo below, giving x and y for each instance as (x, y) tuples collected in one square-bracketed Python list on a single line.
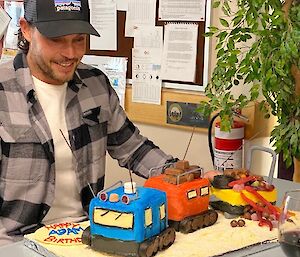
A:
[(65, 231), (62, 225), (54, 239)]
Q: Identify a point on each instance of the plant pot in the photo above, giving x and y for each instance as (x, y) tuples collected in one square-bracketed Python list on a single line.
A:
[(296, 176)]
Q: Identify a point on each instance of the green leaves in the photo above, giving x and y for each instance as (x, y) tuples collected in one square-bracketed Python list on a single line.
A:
[(254, 92), (224, 22), (257, 46), (216, 4), (286, 139), (237, 19)]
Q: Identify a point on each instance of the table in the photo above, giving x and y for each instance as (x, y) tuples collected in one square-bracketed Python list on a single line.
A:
[(274, 250), (268, 250)]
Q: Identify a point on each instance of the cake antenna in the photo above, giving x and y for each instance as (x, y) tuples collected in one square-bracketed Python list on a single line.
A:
[(130, 176), (188, 146), (91, 189), (68, 144)]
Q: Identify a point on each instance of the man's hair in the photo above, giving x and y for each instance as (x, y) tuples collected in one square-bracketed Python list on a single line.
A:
[(23, 44)]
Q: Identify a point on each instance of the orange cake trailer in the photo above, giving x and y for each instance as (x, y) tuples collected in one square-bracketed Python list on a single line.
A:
[(187, 196)]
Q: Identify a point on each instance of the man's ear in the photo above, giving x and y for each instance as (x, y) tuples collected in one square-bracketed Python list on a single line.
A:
[(26, 29)]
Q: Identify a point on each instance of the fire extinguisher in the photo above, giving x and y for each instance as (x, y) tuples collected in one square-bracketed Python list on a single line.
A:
[(228, 146)]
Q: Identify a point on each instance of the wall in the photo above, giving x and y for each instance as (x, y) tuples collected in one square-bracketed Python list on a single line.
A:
[(172, 141), (175, 142)]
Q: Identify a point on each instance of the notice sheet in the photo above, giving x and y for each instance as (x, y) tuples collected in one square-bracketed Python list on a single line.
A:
[(139, 13), (15, 10), (180, 51), (115, 68), (148, 37), (146, 81), (104, 20), (4, 21), (182, 10)]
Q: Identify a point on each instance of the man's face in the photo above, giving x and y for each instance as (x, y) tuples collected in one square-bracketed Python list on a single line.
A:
[(54, 60)]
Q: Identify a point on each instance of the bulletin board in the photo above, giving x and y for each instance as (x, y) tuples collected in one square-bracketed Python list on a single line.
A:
[(157, 114), (125, 45)]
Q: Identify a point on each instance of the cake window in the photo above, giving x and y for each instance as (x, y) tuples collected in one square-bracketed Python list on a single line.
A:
[(191, 194), (148, 217), (204, 191), (113, 218), (162, 211)]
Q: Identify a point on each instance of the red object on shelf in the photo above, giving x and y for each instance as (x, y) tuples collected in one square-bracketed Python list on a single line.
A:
[(228, 146)]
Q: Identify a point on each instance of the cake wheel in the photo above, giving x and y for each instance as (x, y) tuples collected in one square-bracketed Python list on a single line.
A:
[(197, 223), (161, 242), (86, 236), (207, 220), (146, 249), (169, 237), (213, 216), (186, 226), (149, 250), (155, 245)]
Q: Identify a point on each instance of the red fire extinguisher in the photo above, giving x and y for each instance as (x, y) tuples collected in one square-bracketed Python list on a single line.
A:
[(227, 150)]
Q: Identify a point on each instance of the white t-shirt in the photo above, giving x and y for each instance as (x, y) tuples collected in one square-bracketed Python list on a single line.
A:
[(67, 205)]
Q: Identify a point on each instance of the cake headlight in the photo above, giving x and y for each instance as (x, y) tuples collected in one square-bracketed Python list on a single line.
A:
[(125, 199), (103, 196)]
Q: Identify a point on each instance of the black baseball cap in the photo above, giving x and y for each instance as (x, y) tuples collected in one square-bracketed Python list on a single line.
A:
[(55, 18)]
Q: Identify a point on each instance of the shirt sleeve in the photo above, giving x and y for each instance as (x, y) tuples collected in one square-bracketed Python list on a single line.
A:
[(4, 238), (126, 144)]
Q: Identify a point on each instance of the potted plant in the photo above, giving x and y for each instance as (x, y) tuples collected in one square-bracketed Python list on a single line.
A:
[(258, 45)]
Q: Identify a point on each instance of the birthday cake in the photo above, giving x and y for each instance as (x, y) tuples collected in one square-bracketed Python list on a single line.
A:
[(238, 193), (222, 233), (133, 221)]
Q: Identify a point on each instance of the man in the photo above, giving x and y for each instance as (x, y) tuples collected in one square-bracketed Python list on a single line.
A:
[(58, 118)]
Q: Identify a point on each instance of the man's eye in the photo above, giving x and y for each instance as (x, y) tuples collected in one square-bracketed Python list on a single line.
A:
[(80, 39), (56, 40)]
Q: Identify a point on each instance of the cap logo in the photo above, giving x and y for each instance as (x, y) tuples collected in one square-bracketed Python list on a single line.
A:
[(67, 5)]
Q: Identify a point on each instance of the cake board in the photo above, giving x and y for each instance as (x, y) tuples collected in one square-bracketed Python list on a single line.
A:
[(217, 240)]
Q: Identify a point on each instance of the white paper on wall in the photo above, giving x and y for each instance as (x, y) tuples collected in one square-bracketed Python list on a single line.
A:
[(104, 20), (180, 51), (15, 10), (182, 10), (146, 80), (115, 68)]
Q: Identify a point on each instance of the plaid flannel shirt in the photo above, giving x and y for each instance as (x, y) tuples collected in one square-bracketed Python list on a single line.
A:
[(96, 124)]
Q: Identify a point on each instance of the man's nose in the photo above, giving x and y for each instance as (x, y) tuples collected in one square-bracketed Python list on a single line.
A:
[(69, 51)]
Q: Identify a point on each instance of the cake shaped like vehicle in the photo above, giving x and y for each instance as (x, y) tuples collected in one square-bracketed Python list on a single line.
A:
[(187, 195), (129, 221), (238, 192)]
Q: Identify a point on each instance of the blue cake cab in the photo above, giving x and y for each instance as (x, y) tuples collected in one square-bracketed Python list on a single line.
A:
[(129, 222)]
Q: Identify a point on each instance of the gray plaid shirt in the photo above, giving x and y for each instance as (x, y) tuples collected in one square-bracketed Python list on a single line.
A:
[(96, 124)]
